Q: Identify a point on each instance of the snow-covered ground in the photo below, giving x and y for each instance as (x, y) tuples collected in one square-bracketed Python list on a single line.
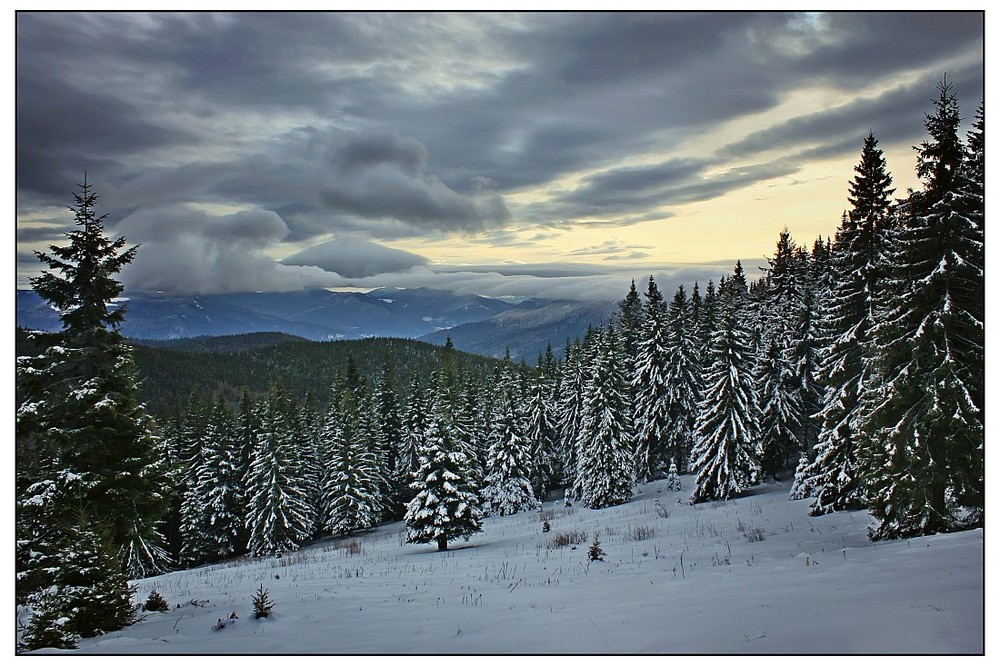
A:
[(752, 575)]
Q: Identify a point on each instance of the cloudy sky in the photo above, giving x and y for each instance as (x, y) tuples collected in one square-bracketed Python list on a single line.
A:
[(555, 154)]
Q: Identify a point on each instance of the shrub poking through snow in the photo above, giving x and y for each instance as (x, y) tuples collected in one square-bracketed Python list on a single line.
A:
[(571, 538), (262, 605)]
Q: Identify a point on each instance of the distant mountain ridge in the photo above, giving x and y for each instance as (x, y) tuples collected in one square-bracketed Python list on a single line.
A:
[(476, 324), (315, 314), (526, 329)]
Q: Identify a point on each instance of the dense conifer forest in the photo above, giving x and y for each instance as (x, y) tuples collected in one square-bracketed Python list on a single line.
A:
[(853, 368)]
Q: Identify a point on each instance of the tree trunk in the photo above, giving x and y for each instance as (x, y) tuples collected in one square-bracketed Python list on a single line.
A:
[(442, 543)]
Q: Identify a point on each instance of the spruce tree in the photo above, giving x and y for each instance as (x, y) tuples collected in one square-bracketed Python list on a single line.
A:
[(220, 485), (921, 449), (780, 410), (507, 486), (605, 447), (650, 384), (66, 571), (849, 317), (683, 380), (569, 411), (727, 433), (388, 431), (278, 514), (446, 506), (542, 431), (351, 487), (78, 408), (414, 429)]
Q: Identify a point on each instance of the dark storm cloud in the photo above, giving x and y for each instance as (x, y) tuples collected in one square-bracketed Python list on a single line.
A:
[(353, 257), (849, 49), (388, 193), (672, 183), (393, 125), (42, 233), (369, 151), (892, 116)]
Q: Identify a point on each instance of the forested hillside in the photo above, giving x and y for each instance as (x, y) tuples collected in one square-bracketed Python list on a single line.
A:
[(853, 368)]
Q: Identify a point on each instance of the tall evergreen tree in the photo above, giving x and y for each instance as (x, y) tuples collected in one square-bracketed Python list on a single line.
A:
[(221, 485), (541, 430), (278, 513), (605, 446), (507, 486), (569, 410), (388, 430), (849, 317), (780, 410), (407, 461), (78, 407), (727, 430), (445, 506), (651, 414), (683, 379), (922, 413), (351, 487)]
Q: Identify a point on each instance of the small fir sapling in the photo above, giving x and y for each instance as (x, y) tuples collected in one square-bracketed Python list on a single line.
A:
[(673, 480), (262, 605), (596, 552), (48, 627), (155, 603)]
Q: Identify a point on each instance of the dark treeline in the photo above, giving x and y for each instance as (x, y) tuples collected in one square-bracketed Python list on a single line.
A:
[(851, 369)]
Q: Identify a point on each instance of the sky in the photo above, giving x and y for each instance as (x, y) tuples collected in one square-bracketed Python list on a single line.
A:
[(538, 154)]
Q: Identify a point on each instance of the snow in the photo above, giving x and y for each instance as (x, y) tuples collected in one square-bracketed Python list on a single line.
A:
[(697, 581)]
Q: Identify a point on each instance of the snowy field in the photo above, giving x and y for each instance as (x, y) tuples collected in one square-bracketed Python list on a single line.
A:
[(754, 575)]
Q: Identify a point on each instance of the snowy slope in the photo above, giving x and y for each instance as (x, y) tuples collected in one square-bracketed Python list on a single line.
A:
[(754, 575)]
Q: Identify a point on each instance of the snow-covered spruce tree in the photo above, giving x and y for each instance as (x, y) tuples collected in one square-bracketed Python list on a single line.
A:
[(47, 626), (848, 318), (673, 479), (805, 357), (388, 430), (605, 446), (587, 360), (727, 433), (278, 515), (568, 412), (630, 318), (651, 406), (414, 428), (194, 543), (706, 323), (542, 431), (351, 486), (445, 507), (780, 410), (303, 436), (784, 290), (247, 427), (471, 430), (73, 580), (921, 450), (507, 488), (78, 406), (683, 379), (220, 485)]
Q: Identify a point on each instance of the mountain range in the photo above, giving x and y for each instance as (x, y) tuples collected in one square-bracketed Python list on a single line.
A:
[(474, 323)]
